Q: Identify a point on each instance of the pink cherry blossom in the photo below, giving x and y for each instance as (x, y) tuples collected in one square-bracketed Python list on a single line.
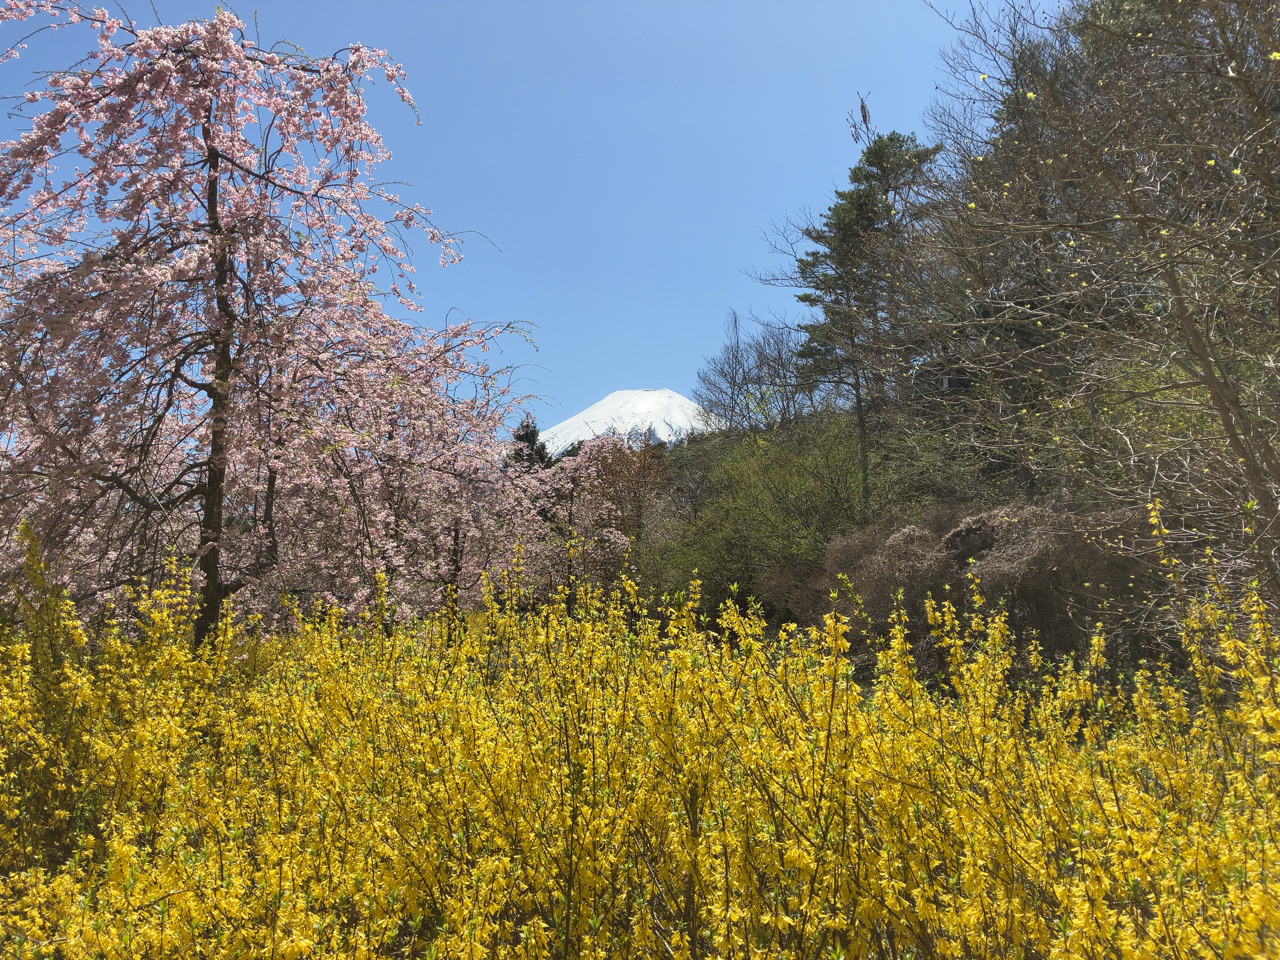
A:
[(195, 348)]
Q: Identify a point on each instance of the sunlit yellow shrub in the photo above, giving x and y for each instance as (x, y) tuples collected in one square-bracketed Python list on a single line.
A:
[(587, 780)]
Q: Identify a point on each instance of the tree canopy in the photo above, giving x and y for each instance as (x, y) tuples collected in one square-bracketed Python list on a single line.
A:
[(196, 342)]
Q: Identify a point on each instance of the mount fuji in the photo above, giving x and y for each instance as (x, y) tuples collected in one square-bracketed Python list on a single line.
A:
[(638, 417)]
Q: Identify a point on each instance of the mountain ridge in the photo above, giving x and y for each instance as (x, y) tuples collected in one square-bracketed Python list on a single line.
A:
[(638, 417)]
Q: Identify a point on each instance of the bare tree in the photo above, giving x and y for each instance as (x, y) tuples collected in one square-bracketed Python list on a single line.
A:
[(758, 380), (1108, 212)]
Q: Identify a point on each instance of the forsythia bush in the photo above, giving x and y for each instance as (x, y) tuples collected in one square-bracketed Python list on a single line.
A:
[(585, 780)]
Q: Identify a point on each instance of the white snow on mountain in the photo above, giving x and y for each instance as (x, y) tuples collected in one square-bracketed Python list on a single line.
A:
[(637, 416)]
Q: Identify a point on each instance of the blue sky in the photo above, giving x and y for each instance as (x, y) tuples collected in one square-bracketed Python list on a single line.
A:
[(614, 166)]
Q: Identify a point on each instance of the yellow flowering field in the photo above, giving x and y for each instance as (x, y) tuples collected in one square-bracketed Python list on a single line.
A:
[(585, 779)]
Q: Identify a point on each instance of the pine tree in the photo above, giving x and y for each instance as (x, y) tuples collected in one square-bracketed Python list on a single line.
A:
[(529, 450)]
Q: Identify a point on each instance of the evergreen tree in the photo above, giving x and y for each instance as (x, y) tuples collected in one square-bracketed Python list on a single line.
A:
[(529, 450), (865, 339), (854, 278)]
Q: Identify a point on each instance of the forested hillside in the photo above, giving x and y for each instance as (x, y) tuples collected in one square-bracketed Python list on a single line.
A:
[(1051, 309)]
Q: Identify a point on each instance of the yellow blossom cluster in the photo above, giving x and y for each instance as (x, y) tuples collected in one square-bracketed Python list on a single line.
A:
[(585, 779)]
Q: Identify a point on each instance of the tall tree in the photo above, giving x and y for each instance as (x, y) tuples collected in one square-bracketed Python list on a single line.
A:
[(756, 381), (855, 277), (1112, 205), (867, 338), (194, 347)]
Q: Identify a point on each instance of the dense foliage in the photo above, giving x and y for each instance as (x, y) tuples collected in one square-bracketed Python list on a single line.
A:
[(216, 431), (1108, 216), (1064, 296), (606, 783), (196, 347)]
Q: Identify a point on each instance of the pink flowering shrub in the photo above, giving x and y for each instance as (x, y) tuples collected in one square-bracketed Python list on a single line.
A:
[(564, 522)]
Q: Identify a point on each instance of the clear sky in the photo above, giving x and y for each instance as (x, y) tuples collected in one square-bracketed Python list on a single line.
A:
[(616, 164)]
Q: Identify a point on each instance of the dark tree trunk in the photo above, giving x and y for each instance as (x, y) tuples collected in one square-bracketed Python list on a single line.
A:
[(864, 458), (214, 590)]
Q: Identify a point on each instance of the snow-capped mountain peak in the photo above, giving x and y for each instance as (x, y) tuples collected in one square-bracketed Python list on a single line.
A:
[(639, 417)]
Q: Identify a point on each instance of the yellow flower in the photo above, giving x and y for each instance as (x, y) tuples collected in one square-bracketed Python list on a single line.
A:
[(540, 783)]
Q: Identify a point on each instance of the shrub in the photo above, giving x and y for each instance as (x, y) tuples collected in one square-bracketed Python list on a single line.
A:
[(605, 783)]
